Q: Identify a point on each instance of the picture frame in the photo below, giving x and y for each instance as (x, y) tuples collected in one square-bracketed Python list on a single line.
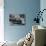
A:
[(17, 19)]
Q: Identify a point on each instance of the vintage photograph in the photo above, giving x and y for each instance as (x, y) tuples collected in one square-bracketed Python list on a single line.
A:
[(17, 19)]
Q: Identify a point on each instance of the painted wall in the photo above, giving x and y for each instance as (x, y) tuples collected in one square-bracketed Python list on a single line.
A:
[(43, 6), (29, 8)]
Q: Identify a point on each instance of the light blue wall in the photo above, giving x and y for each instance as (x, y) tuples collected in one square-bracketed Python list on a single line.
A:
[(28, 7)]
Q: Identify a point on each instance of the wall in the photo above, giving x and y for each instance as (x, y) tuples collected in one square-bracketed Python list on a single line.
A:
[(28, 7), (43, 6)]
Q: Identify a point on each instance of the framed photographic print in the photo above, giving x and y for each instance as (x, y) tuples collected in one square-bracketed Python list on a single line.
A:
[(17, 19)]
